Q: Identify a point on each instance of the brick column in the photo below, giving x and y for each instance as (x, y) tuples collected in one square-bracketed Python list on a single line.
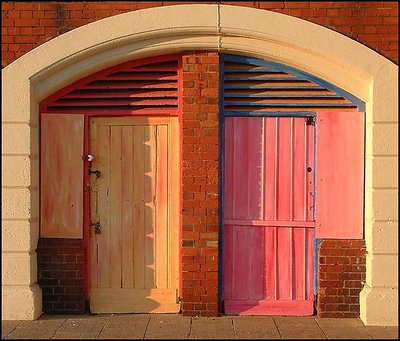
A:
[(341, 273), (200, 161), (61, 275)]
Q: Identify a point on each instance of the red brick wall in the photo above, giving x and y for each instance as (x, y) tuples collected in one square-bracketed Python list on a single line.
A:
[(26, 25), (61, 275), (341, 272), (200, 155)]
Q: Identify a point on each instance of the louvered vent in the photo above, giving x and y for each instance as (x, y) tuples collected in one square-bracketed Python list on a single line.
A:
[(124, 88), (252, 85)]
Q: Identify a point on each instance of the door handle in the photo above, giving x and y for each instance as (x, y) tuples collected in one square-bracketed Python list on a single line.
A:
[(97, 228)]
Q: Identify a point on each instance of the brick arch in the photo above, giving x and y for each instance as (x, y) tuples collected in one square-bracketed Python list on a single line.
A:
[(231, 29)]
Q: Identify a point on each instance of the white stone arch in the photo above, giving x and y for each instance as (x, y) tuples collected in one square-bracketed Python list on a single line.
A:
[(162, 30)]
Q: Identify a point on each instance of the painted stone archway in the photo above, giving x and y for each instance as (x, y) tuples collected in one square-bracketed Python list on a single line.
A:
[(267, 35)]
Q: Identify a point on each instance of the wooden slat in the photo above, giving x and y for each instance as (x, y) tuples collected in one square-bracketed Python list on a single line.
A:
[(174, 190), (127, 208), (103, 246), (131, 85), (255, 149), (150, 219), (138, 190), (240, 169), (162, 240), (114, 102), (115, 207), (77, 94), (94, 209), (270, 168), (134, 121), (228, 167), (61, 176)]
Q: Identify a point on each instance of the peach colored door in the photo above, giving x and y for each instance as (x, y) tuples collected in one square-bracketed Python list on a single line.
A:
[(134, 215)]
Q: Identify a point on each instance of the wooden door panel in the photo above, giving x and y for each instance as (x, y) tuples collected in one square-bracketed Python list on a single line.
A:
[(340, 173), (268, 222), (61, 168), (131, 200)]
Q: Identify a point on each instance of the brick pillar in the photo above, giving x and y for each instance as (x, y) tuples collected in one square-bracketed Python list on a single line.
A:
[(200, 160), (341, 273), (61, 275)]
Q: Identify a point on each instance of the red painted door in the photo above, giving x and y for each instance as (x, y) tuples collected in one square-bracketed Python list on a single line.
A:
[(268, 216)]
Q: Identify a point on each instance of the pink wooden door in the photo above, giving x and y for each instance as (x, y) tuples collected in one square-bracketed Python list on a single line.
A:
[(268, 216)]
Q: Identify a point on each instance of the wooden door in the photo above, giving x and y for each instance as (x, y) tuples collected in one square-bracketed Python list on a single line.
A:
[(134, 199), (268, 236)]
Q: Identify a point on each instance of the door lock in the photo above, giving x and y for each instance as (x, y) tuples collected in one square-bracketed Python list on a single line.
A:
[(97, 172), (97, 228), (89, 157)]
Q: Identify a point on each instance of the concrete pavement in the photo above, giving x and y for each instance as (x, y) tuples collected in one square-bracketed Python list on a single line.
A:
[(170, 326)]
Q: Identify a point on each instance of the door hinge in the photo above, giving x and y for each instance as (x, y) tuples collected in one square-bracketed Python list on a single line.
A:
[(310, 120)]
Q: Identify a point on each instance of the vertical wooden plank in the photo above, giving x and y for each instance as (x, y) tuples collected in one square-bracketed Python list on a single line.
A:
[(94, 214), (283, 204), (240, 169), (254, 177), (116, 181), (149, 204), (174, 174), (291, 261), (228, 262), (256, 264), (127, 207), (291, 168), (298, 275), (276, 253), (228, 168), (283, 260), (138, 203), (276, 169), (270, 293), (104, 196), (162, 207), (283, 195), (270, 168), (240, 275), (310, 175), (299, 171), (61, 176), (309, 264)]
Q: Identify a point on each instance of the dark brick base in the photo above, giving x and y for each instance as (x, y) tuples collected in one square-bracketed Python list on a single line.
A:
[(341, 272), (61, 275)]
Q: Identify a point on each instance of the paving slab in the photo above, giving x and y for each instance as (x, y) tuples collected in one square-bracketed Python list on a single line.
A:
[(125, 326), (168, 326), (8, 326), (255, 327), (298, 327), (39, 329), (343, 328), (212, 328), (81, 328), (383, 332)]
